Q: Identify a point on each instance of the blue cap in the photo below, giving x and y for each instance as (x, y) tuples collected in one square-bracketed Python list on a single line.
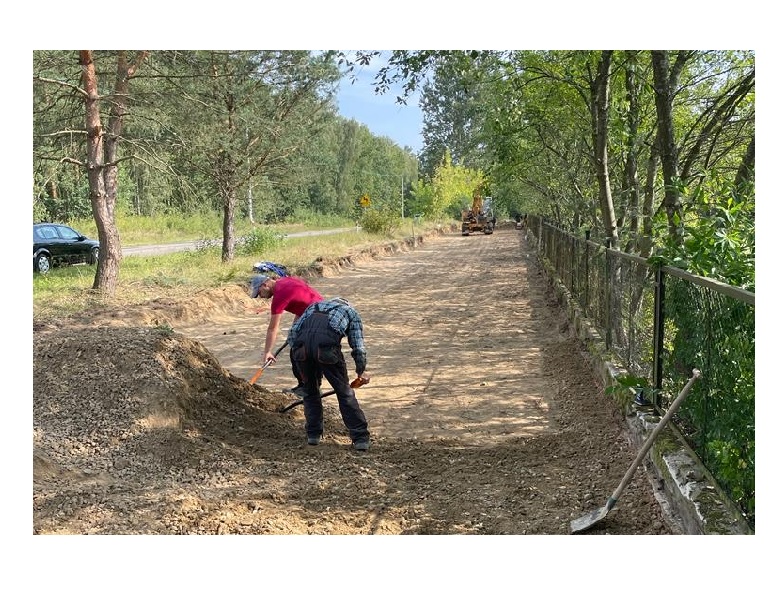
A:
[(255, 285)]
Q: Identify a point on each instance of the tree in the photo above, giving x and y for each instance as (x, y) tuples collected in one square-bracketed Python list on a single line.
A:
[(244, 116), (453, 187), (639, 212), (451, 103), (694, 119), (101, 152), (600, 114), (665, 79)]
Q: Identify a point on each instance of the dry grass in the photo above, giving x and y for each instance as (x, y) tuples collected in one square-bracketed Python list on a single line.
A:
[(68, 290)]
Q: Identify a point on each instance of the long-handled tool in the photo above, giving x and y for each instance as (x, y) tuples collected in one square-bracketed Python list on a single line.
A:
[(256, 376), (588, 520), (358, 382)]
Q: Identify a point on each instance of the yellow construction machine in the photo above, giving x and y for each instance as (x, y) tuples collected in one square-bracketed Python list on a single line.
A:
[(480, 217)]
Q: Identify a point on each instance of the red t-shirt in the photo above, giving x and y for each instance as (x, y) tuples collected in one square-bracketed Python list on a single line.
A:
[(293, 295)]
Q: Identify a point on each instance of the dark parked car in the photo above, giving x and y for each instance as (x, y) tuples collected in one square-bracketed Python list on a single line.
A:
[(56, 244)]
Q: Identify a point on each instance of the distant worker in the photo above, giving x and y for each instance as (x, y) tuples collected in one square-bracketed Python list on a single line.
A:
[(315, 340), (289, 294)]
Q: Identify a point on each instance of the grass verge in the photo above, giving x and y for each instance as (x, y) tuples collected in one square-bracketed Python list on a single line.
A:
[(68, 290)]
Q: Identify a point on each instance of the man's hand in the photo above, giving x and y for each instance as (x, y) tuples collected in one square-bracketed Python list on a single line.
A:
[(269, 358), (362, 379)]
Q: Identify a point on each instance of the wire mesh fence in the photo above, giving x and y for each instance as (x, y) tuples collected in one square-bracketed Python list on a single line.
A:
[(659, 323)]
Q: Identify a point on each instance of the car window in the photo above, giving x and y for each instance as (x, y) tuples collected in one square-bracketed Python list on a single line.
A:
[(67, 233), (46, 232)]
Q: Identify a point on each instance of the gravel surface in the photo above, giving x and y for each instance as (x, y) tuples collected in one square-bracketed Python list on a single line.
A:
[(485, 416), (485, 420)]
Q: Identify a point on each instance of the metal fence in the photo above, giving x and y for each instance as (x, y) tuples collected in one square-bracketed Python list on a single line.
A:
[(659, 323)]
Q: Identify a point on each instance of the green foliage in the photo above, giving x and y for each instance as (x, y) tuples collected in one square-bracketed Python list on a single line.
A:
[(525, 119), (72, 198), (64, 280), (309, 219), (273, 142), (40, 212), (379, 221), (453, 187), (719, 238), (165, 329), (163, 228), (625, 387), (735, 465), (454, 106), (704, 328), (260, 241), (163, 279), (422, 197), (229, 274)]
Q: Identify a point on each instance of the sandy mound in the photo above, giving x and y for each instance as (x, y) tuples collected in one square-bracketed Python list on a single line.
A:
[(106, 397)]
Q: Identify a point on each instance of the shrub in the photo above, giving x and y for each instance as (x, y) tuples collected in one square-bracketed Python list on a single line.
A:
[(379, 221), (259, 241)]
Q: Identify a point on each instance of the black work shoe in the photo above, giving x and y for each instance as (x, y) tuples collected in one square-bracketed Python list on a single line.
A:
[(314, 440), (362, 445)]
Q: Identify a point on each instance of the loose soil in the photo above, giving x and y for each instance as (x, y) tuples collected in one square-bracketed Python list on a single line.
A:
[(484, 413)]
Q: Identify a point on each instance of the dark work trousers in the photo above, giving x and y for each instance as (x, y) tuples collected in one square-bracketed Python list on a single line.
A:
[(294, 369), (316, 352)]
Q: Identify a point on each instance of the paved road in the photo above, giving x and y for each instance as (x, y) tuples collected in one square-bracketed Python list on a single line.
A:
[(162, 249)]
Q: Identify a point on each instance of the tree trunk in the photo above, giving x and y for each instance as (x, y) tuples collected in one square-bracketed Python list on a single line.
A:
[(105, 275), (745, 172), (108, 271), (102, 165), (646, 240), (600, 106), (631, 183), (666, 143), (225, 175), (229, 206)]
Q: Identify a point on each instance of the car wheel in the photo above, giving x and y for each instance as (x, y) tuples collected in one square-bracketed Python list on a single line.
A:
[(42, 263), (94, 254)]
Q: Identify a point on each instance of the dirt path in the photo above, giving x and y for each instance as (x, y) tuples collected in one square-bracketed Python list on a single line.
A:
[(455, 333), (484, 415)]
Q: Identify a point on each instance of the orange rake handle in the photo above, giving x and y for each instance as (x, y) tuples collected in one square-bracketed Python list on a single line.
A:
[(257, 374)]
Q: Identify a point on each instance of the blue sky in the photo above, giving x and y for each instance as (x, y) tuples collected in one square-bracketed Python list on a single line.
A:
[(380, 113)]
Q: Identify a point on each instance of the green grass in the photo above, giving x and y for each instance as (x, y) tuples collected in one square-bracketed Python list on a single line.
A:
[(135, 231), (68, 290)]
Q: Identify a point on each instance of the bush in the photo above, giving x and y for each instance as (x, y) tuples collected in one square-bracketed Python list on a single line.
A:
[(379, 221), (260, 241)]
